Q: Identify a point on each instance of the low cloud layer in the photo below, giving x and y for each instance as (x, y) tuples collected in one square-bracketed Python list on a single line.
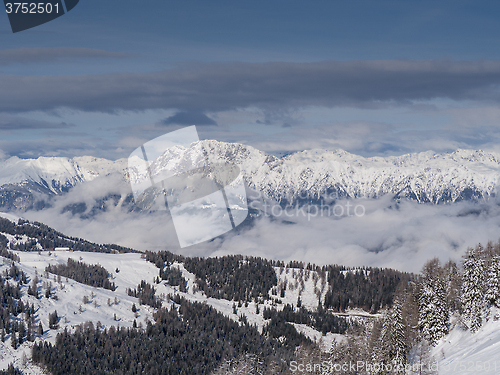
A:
[(401, 236), (224, 86)]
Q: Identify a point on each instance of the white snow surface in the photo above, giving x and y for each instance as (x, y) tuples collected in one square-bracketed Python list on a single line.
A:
[(70, 295), (464, 352)]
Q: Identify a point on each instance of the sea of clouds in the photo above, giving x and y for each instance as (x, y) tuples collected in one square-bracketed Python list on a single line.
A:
[(385, 233)]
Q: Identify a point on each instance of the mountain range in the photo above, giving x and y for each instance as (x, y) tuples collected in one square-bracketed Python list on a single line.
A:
[(425, 177)]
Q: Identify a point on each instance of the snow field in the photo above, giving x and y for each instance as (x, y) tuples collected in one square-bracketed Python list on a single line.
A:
[(464, 352)]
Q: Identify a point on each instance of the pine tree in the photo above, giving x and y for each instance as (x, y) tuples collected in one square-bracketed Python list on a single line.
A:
[(398, 346), (40, 329), (53, 320), (382, 349), (492, 295), (33, 288), (29, 335), (453, 284), (22, 332), (13, 340), (473, 288), (433, 307), (390, 347)]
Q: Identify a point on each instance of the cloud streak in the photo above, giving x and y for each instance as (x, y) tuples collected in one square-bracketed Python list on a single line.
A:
[(224, 86), (21, 123), (44, 55)]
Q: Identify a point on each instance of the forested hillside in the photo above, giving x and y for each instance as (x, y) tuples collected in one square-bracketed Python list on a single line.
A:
[(242, 278), (162, 313), (458, 297), (187, 338), (368, 288), (233, 277), (35, 236)]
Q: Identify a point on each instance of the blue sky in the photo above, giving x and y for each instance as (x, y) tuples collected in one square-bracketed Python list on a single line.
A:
[(370, 77)]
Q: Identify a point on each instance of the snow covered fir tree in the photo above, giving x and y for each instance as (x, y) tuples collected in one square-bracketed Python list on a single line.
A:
[(433, 304)]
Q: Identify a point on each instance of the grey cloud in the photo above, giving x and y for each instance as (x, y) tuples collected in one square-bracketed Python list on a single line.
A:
[(115, 224), (189, 118), (223, 86), (20, 123), (61, 146), (41, 55)]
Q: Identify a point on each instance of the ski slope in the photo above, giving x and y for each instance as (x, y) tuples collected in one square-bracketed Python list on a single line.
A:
[(464, 352)]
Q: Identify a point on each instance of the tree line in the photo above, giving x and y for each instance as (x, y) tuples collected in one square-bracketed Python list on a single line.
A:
[(93, 275), (232, 277)]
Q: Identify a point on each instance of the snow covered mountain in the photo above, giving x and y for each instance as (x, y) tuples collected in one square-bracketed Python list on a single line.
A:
[(424, 177), (26, 183), (306, 175)]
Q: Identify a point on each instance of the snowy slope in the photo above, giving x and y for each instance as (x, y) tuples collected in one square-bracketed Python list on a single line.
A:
[(104, 304), (458, 353), (300, 284), (71, 309), (464, 352), (53, 173), (459, 348)]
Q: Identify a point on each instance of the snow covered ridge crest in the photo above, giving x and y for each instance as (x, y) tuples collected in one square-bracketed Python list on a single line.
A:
[(425, 177)]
